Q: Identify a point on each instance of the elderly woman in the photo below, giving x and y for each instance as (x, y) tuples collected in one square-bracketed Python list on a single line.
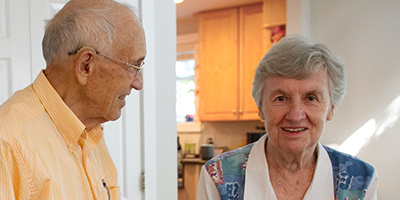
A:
[(297, 86)]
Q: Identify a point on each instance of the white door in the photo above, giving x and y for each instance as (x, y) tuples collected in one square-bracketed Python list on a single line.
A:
[(21, 31), (15, 64)]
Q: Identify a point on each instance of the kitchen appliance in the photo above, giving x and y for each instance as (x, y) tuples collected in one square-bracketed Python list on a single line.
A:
[(206, 151), (253, 137)]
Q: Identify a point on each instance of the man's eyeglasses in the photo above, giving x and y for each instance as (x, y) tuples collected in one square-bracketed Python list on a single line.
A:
[(138, 68)]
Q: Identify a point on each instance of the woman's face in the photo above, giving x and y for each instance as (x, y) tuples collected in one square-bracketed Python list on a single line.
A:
[(295, 111)]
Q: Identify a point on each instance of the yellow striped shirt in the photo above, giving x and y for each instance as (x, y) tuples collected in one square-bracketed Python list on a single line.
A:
[(47, 153)]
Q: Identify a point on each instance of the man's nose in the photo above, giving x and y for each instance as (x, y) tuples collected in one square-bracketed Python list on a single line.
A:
[(137, 82)]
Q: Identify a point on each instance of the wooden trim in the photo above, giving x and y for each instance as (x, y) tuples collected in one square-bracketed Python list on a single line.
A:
[(187, 38)]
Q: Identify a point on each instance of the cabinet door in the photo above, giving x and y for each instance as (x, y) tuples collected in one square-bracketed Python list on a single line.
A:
[(274, 13), (218, 65), (251, 51)]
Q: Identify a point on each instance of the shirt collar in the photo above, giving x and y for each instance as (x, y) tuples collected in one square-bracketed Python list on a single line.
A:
[(258, 184), (67, 123), (90, 138)]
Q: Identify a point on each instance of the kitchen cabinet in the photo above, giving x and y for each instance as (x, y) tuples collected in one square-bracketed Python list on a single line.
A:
[(191, 170), (231, 43), (274, 13)]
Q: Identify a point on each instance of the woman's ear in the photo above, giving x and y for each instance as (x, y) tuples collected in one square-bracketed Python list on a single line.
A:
[(261, 114), (330, 113), (84, 65)]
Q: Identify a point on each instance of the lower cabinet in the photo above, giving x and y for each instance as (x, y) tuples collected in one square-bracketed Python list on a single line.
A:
[(191, 174)]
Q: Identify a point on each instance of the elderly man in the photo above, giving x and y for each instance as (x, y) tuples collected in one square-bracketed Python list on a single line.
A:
[(52, 144)]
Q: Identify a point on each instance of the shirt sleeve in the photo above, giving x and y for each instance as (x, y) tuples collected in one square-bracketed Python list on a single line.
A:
[(373, 188), (206, 189), (6, 171), (13, 180), (6, 189)]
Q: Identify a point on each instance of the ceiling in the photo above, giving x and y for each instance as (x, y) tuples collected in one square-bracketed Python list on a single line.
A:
[(188, 8)]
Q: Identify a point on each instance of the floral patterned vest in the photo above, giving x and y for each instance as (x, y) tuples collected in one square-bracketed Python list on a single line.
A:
[(351, 176)]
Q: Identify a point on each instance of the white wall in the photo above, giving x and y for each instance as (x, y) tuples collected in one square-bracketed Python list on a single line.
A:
[(160, 150), (365, 33)]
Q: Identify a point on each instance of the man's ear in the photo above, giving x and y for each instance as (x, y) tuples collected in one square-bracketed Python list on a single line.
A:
[(84, 65)]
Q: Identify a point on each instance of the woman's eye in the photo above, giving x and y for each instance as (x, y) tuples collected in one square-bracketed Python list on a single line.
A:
[(311, 98), (280, 98)]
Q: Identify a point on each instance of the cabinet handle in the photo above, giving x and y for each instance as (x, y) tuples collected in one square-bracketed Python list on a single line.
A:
[(240, 112), (234, 111)]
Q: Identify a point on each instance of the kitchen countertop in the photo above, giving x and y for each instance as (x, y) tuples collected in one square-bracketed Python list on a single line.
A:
[(193, 161)]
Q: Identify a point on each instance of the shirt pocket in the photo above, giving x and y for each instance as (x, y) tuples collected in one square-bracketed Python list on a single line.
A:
[(115, 193)]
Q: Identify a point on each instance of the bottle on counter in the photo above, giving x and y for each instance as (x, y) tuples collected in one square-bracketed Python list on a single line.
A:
[(179, 150), (210, 141), (180, 167)]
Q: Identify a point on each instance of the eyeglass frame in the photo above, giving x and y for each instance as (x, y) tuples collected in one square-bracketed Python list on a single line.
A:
[(139, 67)]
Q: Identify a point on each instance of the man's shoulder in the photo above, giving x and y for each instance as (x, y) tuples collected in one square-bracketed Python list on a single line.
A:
[(18, 111)]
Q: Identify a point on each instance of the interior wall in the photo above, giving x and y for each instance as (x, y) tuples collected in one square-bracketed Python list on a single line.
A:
[(187, 25), (365, 35)]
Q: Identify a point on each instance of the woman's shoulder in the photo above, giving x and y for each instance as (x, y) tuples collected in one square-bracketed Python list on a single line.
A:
[(351, 174), (341, 160), (238, 156)]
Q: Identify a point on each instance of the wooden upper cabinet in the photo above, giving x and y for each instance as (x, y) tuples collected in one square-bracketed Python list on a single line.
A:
[(251, 50), (274, 13), (218, 65), (230, 47)]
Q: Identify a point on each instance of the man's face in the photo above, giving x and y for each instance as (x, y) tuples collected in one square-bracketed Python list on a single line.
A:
[(113, 81), (295, 111)]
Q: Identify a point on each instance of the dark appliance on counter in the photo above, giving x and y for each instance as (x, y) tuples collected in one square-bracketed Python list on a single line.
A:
[(253, 137)]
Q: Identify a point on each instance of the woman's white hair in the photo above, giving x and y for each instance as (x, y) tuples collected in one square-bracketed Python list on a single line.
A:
[(296, 57)]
